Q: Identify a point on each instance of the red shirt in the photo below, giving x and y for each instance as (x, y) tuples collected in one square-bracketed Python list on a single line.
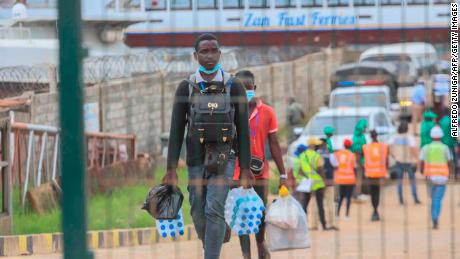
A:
[(261, 123)]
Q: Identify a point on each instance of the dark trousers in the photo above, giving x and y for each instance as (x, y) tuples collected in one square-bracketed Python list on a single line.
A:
[(304, 200), (261, 188), (375, 196), (345, 191)]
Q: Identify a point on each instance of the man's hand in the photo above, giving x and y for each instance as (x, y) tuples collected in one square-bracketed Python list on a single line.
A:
[(247, 178), (171, 177), (283, 180)]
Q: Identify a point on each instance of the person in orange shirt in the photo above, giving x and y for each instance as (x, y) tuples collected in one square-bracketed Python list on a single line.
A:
[(345, 175), (375, 169), (262, 128)]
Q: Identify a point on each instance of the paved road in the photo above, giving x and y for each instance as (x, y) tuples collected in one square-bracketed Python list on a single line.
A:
[(385, 239)]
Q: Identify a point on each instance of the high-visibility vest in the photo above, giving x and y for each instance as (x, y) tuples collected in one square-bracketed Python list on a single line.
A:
[(345, 172), (309, 166), (436, 163), (375, 160)]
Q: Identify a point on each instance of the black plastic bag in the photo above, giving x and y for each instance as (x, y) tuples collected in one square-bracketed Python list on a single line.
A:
[(163, 202)]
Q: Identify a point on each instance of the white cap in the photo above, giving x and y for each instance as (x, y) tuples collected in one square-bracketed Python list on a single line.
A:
[(436, 132)]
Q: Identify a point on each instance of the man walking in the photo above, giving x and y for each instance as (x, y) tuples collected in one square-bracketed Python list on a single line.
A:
[(436, 163), (403, 149), (345, 175), (262, 127), (375, 169), (209, 95), (311, 167), (295, 115)]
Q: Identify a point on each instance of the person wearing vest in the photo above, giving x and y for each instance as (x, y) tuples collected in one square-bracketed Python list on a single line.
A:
[(345, 175), (329, 191), (403, 149), (262, 127), (311, 167), (375, 169), (451, 142), (210, 178), (436, 164), (426, 126)]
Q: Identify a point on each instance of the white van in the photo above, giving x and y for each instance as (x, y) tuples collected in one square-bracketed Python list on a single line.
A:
[(419, 55)]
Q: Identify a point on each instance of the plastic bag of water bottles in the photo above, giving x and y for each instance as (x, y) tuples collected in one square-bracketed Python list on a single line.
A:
[(171, 227), (244, 210), (284, 213), (279, 238)]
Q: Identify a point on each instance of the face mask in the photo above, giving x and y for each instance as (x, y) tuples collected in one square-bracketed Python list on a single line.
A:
[(212, 71), (250, 94)]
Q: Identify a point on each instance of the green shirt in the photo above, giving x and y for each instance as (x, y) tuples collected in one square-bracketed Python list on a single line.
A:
[(447, 139), (329, 145), (425, 131)]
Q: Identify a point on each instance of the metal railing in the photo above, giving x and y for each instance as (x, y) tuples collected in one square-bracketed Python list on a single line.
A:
[(39, 146)]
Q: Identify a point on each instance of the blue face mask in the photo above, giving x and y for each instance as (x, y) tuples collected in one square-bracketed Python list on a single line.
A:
[(250, 94), (208, 72)]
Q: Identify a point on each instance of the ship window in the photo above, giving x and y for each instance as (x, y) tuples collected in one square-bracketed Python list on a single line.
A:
[(233, 4), (444, 1), (155, 5), (41, 3), (390, 2), (285, 3), (181, 4), (337, 3), (417, 2), (312, 2), (363, 2), (207, 4), (258, 3)]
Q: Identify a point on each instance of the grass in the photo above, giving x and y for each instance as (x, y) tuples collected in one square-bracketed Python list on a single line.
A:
[(119, 209)]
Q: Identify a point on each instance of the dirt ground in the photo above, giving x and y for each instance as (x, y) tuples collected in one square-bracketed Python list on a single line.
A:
[(404, 232)]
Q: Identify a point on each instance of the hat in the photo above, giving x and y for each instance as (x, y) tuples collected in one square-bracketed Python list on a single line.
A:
[(347, 143), (436, 132), (429, 115), (328, 130), (314, 141), (300, 148)]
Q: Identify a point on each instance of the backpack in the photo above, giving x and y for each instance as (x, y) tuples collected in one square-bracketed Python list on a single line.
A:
[(211, 113), (211, 121)]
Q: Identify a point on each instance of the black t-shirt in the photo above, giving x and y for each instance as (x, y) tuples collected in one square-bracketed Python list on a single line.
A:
[(195, 150)]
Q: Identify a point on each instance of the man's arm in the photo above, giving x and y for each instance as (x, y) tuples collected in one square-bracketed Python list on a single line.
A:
[(276, 153), (240, 103), (176, 132)]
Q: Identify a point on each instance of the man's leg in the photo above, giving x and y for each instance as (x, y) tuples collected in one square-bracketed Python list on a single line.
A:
[(400, 176), (217, 187), (437, 194), (375, 198), (197, 199), (349, 193), (319, 194), (303, 198), (329, 205), (413, 184), (342, 191)]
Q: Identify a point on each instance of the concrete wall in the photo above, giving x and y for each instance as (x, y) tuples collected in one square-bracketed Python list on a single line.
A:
[(141, 105)]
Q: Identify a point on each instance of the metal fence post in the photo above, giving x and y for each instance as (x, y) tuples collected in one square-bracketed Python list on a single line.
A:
[(72, 140)]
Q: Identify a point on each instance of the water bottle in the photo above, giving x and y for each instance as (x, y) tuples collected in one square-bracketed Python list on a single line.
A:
[(172, 228)]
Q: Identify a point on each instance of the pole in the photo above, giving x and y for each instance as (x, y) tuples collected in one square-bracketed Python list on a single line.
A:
[(72, 138)]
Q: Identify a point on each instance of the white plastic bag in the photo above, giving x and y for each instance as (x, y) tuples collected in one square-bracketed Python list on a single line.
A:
[(243, 211), (304, 185), (171, 227), (282, 239), (283, 213)]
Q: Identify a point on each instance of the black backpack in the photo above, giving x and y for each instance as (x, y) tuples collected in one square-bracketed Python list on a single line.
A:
[(211, 121), (211, 113)]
